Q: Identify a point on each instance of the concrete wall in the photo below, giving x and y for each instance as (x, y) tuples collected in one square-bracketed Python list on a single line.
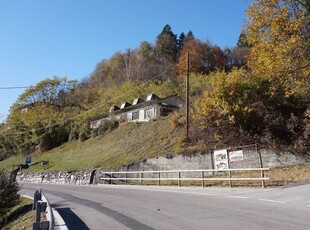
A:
[(202, 160)]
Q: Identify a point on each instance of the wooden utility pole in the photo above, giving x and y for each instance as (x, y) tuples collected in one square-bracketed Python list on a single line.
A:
[(187, 95)]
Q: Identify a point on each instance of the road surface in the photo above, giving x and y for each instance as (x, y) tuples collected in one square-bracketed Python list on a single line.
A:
[(149, 207)]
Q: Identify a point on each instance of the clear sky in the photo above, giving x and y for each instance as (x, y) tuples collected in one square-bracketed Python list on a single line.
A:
[(46, 38)]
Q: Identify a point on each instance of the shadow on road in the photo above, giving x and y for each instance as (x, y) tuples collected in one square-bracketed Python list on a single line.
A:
[(72, 221)]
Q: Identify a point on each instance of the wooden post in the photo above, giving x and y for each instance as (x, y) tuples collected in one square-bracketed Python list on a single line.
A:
[(262, 173), (159, 179), (141, 175), (179, 181), (125, 178), (202, 176), (229, 172), (230, 183)]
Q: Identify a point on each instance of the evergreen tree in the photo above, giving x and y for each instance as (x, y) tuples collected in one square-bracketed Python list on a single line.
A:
[(189, 36), (243, 41), (181, 41), (167, 45)]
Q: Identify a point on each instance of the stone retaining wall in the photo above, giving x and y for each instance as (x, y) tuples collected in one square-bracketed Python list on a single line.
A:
[(76, 177)]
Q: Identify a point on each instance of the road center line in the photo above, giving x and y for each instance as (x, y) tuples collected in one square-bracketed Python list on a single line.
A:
[(274, 201), (239, 197)]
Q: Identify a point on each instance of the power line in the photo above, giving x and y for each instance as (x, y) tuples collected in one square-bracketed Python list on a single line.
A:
[(15, 87)]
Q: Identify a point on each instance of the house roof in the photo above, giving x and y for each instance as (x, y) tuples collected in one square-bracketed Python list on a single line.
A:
[(139, 103)]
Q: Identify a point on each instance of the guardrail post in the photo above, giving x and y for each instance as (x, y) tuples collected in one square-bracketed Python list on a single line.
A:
[(38, 212), (37, 196), (159, 179), (38, 225), (179, 181), (125, 178), (141, 175)]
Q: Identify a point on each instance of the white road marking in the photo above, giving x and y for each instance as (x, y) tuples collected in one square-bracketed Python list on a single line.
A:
[(29, 197), (163, 190), (184, 192), (59, 222), (274, 201), (239, 197)]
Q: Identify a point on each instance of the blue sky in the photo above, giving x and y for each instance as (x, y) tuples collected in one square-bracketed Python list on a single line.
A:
[(41, 38)]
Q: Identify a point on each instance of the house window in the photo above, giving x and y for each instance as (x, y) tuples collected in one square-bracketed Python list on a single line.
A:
[(135, 116), (149, 114)]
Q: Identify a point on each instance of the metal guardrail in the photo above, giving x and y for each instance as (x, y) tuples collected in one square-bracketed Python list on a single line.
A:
[(140, 176), (49, 213), (41, 204)]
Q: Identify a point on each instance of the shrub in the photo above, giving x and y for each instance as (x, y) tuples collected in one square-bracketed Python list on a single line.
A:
[(253, 104), (9, 196)]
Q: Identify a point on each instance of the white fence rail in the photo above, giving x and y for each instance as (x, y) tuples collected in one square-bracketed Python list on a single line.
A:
[(181, 175)]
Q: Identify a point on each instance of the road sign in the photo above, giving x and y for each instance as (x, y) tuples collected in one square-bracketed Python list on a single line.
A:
[(28, 160)]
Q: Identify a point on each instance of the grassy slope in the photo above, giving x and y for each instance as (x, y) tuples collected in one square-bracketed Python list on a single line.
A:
[(129, 143), (132, 142), (21, 217)]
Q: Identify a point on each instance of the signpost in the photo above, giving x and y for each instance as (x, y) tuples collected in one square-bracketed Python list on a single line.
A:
[(236, 156), (44, 164), (28, 160), (220, 159)]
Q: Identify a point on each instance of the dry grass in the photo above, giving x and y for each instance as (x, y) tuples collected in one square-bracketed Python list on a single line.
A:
[(278, 177), (21, 217)]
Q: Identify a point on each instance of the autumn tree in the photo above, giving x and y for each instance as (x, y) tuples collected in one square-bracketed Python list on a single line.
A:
[(278, 31), (217, 58), (53, 92), (200, 56), (41, 116)]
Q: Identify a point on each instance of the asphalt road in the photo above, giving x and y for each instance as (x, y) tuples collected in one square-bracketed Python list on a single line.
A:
[(133, 207)]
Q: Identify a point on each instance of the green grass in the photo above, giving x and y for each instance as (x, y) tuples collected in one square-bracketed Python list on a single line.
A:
[(128, 143)]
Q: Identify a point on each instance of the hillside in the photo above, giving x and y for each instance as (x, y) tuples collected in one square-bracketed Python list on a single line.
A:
[(128, 143)]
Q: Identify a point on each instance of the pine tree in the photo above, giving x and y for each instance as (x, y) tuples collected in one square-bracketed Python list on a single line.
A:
[(181, 41), (167, 45)]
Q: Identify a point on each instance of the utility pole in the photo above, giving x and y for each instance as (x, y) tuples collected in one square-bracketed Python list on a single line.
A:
[(187, 95)]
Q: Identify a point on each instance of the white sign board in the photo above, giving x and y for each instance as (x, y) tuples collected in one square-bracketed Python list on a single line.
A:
[(236, 155), (220, 159)]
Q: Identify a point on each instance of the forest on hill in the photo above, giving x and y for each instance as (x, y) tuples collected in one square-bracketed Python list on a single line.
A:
[(257, 91)]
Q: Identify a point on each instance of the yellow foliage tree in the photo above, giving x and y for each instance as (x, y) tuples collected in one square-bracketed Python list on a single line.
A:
[(278, 30)]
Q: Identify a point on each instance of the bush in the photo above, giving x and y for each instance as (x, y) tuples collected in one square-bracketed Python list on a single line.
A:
[(105, 127), (255, 106), (9, 196)]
